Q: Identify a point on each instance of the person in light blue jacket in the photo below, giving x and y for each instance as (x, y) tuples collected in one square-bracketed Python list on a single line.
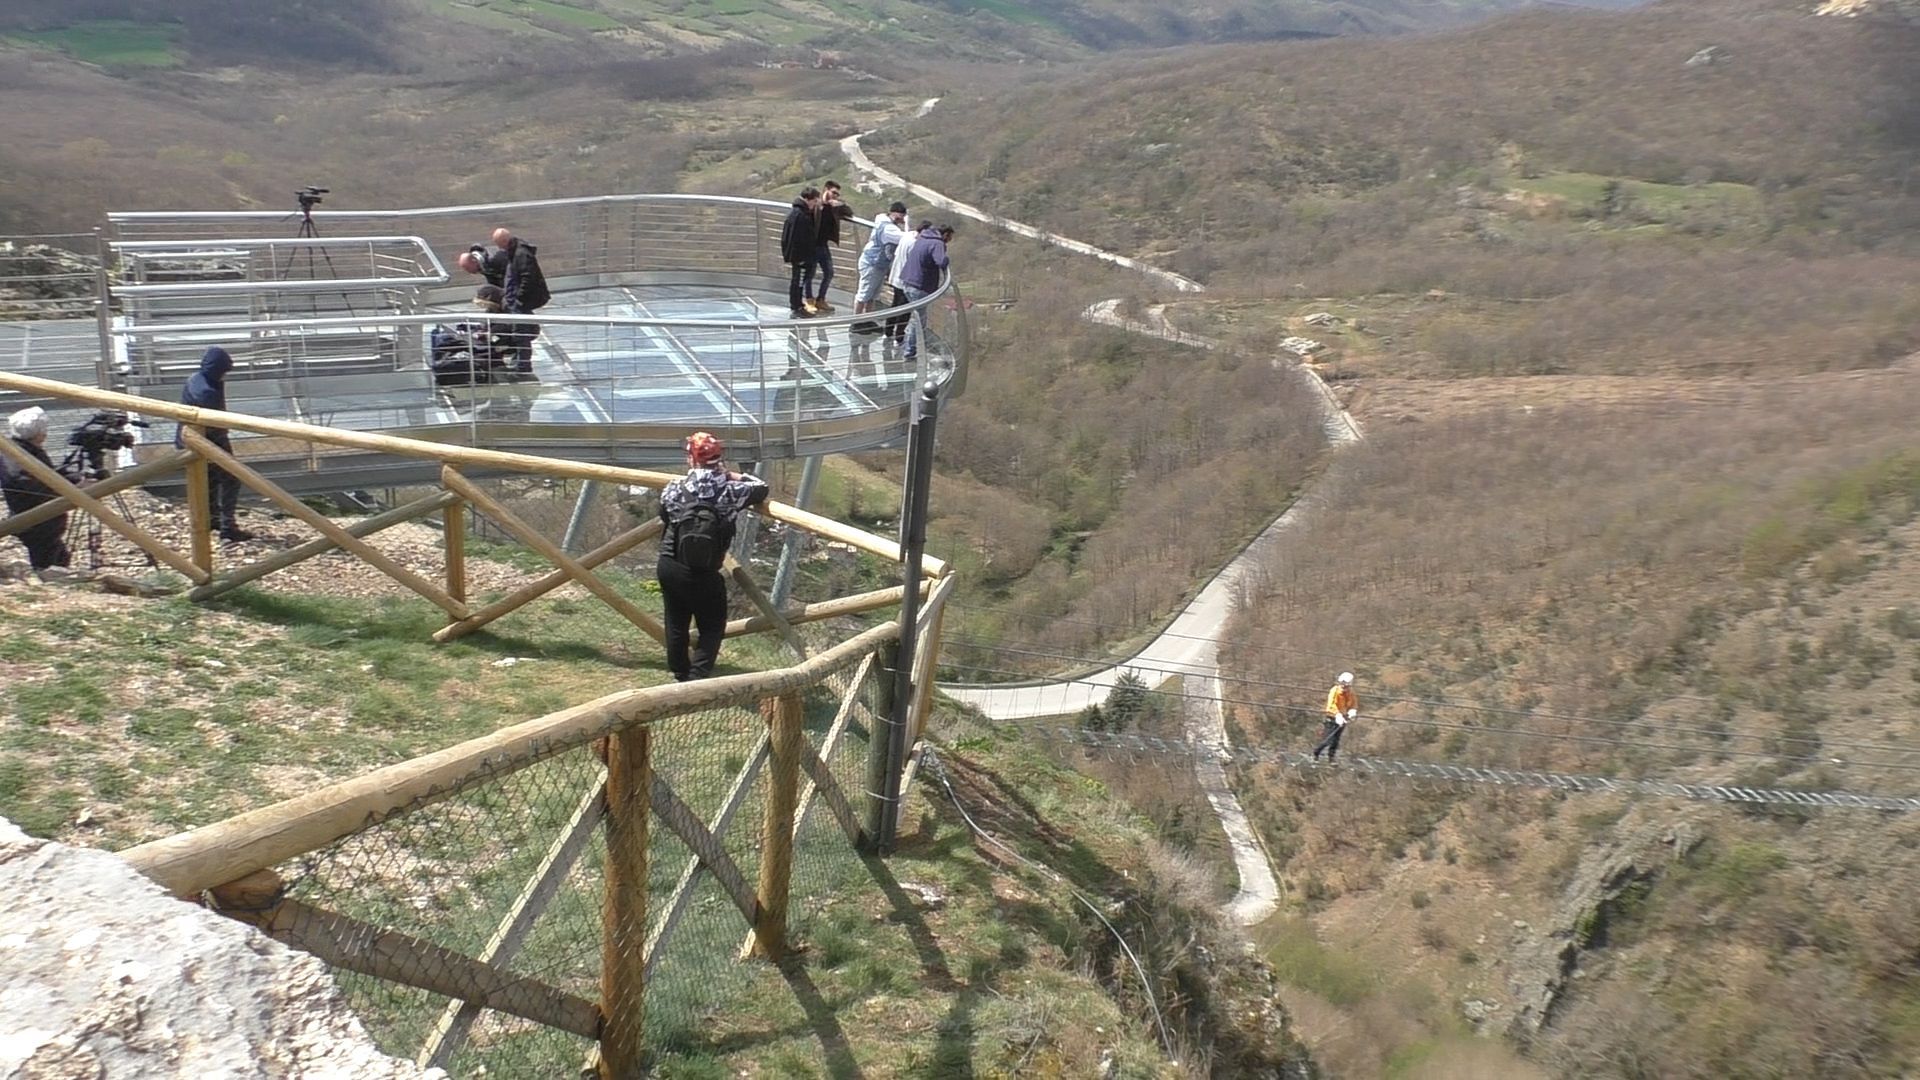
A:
[(876, 259)]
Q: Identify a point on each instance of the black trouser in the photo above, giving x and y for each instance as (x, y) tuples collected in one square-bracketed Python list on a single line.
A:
[(516, 344), (897, 324), (1330, 733), (697, 597), (223, 498), (796, 299), (47, 544)]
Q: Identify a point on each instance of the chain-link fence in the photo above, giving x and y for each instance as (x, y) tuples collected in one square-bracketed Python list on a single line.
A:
[(591, 882)]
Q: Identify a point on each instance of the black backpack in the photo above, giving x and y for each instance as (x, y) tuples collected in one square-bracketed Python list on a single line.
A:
[(701, 537)]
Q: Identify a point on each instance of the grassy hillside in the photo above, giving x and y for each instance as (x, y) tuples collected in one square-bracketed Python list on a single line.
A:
[(967, 953), (438, 34)]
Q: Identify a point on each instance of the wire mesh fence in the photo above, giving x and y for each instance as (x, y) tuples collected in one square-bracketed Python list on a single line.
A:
[(511, 891)]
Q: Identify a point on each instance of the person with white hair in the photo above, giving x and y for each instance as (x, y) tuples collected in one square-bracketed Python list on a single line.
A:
[(47, 541), (1343, 708)]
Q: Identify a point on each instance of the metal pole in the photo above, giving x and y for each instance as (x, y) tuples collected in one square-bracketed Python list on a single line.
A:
[(747, 531), (103, 311), (577, 522), (913, 542), (790, 550)]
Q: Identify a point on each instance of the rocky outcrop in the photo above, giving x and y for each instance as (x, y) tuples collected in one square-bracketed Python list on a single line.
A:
[(1611, 879), (105, 977)]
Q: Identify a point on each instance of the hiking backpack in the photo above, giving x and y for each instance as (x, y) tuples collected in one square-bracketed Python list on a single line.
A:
[(701, 537)]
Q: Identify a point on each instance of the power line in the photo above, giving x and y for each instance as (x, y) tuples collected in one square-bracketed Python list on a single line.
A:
[(1523, 733), (1594, 721)]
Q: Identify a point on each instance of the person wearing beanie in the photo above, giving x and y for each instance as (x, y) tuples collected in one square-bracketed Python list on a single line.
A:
[(47, 541)]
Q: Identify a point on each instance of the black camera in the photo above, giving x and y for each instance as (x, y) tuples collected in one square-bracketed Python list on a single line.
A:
[(309, 196), (105, 430)]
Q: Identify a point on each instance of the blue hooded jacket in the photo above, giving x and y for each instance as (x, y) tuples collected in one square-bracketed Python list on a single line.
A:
[(208, 390)]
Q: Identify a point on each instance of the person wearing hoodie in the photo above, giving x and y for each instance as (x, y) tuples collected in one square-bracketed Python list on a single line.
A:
[(207, 389), (799, 239), (926, 262), (47, 541)]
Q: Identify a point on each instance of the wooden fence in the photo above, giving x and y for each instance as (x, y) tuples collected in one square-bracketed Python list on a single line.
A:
[(241, 865)]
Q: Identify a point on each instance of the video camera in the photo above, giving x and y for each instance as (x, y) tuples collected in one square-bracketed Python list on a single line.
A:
[(309, 197), (105, 430)]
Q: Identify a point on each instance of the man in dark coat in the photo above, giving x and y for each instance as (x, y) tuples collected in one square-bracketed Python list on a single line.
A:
[(47, 541), (525, 291), (208, 390), (799, 243), (488, 263), (832, 210)]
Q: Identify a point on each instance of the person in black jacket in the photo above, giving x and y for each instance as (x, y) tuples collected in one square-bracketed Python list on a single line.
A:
[(700, 510), (525, 291), (208, 390), (832, 210), (488, 263), (47, 541), (799, 243)]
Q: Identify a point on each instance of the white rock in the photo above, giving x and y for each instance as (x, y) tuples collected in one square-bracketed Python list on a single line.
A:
[(102, 974)]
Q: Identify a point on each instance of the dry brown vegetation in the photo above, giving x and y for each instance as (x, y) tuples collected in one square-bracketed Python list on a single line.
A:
[(1715, 587)]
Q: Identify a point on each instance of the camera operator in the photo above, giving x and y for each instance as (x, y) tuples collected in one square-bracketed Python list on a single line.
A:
[(47, 541), (208, 390), (490, 264)]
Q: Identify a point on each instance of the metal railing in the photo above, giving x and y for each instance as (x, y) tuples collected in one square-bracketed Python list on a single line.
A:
[(669, 313)]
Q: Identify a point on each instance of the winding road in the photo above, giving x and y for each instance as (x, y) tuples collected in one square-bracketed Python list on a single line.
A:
[(1189, 646)]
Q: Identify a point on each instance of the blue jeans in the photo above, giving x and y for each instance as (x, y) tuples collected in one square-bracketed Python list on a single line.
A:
[(823, 262), (917, 326)]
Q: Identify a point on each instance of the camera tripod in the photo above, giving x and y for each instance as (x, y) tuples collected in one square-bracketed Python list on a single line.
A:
[(91, 531), (308, 198)]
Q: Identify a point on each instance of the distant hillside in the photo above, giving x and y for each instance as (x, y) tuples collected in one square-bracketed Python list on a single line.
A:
[(425, 34), (1224, 154)]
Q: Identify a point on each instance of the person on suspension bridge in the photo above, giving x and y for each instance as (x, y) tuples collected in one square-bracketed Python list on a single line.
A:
[(1343, 708)]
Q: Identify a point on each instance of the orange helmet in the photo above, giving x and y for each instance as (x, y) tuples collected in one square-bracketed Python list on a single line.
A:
[(704, 449)]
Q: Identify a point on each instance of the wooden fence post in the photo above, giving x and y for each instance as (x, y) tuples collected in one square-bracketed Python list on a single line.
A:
[(200, 513), (623, 941), (456, 541), (785, 717)]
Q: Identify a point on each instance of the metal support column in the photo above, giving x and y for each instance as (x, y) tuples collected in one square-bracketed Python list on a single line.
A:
[(913, 543), (748, 528), (577, 523), (790, 550), (103, 311)]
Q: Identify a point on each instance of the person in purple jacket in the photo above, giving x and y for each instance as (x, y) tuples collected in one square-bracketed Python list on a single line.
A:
[(927, 264)]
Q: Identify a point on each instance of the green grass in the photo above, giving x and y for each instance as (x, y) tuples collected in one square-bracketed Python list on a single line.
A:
[(1301, 961), (110, 43), (584, 18), (1585, 191)]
